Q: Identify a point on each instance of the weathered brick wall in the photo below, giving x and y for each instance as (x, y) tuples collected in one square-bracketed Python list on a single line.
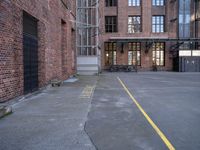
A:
[(50, 37), (145, 11), (10, 51)]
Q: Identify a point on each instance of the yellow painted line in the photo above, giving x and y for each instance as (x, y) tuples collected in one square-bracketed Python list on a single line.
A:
[(158, 131)]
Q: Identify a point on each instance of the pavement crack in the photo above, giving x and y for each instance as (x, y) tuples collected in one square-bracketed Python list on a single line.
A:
[(85, 130), (86, 122)]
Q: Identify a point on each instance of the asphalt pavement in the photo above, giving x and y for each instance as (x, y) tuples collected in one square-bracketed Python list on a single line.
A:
[(98, 112), (171, 100), (53, 119)]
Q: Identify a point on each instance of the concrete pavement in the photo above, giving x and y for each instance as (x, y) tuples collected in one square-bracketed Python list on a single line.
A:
[(51, 120), (72, 117), (172, 100)]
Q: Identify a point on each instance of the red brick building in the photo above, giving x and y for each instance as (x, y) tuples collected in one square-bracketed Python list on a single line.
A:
[(37, 44), (146, 33)]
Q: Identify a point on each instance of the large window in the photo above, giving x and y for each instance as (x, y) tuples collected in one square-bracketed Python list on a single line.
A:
[(197, 9), (184, 19), (133, 2), (110, 54), (158, 54), (111, 24), (184, 22), (158, 2), (134, 54), (110, 3), (197, 23), (134, 24), (158, 24)]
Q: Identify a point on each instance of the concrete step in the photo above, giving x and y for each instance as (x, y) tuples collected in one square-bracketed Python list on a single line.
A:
[(87, 72), (88, 65)]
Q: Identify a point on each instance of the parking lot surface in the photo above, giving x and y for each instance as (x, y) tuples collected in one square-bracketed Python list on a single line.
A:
[(54, 119), (172, 101), (100, 112)]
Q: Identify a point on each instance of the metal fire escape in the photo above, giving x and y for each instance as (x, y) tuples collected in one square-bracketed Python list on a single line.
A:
[(87, 36)]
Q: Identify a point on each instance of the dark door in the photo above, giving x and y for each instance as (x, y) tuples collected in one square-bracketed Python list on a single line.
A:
[(176, 64), (190, 64), (30, 53)]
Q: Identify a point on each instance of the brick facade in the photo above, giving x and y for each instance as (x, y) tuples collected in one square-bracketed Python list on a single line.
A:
[(145, 11), (56, 42)]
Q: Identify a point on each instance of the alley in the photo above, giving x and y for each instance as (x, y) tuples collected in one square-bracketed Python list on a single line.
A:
[(51, 120)]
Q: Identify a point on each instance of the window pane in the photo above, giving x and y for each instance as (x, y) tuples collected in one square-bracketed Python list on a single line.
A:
[(111, 24), (158, 54), (158, 2), (110, 54), (133, 2), (114, 58), (158, 24), (130, 57), (184, 19), (134, 24), (110, 3), (134, 54)]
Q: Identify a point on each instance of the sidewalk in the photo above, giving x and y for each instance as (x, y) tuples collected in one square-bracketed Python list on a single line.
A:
[(51, 120)]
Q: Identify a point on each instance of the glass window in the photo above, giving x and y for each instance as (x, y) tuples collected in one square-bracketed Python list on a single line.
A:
[(158, 24), (110, 3), (184, 19), (134, 24), (134, 54), (158, 56), (111, 24), (197, 9), (197, 22), (158, 2), (133, 2), (110, 54), (184, 22)]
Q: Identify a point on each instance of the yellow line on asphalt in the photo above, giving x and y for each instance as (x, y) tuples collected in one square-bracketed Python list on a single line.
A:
[(158, 131)]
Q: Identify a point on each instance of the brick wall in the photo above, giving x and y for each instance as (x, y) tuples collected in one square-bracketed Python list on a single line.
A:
[(50, 39), (145, 11)]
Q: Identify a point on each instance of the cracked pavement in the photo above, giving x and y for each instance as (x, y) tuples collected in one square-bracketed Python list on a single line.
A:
[(72, 117), (54, 119)]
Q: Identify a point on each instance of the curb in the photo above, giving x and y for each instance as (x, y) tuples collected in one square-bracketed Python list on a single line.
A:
[(5, 110)]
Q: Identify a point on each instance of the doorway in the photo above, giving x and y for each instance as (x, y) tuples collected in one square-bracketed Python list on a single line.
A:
[(30, 53), (190, 64)]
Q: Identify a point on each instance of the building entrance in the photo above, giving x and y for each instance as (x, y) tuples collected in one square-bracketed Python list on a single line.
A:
[(30, 53)]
